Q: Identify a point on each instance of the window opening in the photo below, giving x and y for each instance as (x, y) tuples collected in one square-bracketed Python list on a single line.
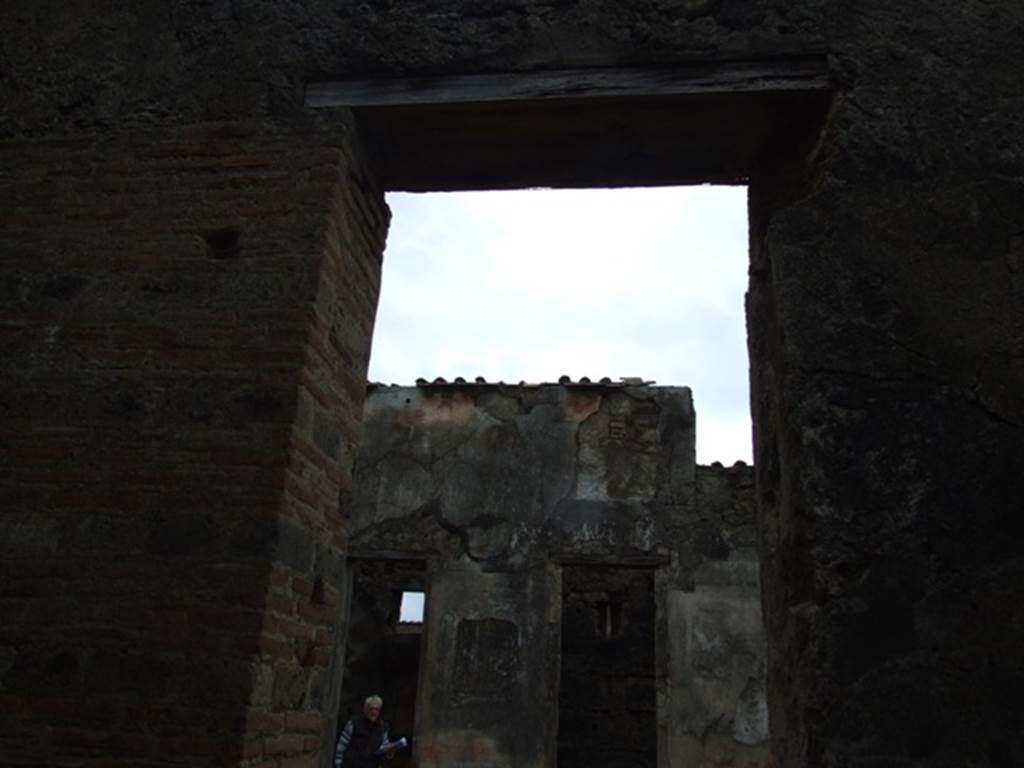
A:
[(609, 617), (410, 608)]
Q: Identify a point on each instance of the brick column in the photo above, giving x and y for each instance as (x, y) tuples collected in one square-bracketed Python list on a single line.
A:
[(185, 322)]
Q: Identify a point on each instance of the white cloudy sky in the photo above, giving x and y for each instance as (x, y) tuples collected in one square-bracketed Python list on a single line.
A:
[(531, 285)]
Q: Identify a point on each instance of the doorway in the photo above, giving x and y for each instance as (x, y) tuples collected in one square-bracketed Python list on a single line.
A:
[(607, 695), (385, 644)]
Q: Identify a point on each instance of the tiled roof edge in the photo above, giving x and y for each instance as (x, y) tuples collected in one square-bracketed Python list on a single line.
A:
[(564, 381)]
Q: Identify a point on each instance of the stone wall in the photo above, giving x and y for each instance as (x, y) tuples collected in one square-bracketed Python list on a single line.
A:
[(572, 512), (884, 324), (114, 66)]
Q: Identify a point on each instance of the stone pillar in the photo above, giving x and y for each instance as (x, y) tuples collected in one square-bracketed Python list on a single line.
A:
[(186, 317), (886, 350)]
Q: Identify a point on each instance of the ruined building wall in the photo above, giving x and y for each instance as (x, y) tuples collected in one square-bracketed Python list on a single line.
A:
[(590, 590), (184, 353), (884, 321)]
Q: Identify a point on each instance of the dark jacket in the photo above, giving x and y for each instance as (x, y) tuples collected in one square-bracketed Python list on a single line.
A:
[(359, 741)]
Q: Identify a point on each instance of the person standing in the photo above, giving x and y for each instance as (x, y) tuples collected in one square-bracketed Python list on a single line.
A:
[(361, 737)]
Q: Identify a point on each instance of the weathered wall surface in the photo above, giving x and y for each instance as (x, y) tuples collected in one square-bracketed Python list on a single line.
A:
[(184, 324), (885, 335), (111, 65), (885, 329), (503, 475), (491, 485), (509, 491), (717, 707)]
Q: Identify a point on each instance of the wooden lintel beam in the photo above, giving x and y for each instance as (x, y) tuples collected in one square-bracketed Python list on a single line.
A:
[(808, 73)]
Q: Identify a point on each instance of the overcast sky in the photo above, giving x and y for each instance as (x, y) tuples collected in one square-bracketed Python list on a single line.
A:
[(533, 285)]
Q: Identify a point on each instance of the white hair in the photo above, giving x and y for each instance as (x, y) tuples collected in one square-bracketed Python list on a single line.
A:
[(375, 701)]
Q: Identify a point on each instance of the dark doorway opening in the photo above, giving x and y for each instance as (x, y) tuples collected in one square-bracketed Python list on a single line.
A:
[(607, 696), (385, 644)]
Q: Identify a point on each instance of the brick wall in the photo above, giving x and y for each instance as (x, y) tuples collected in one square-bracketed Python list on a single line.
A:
[(185, 319)]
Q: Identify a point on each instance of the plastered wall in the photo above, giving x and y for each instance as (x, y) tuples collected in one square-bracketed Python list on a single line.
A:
[(504, 491)]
